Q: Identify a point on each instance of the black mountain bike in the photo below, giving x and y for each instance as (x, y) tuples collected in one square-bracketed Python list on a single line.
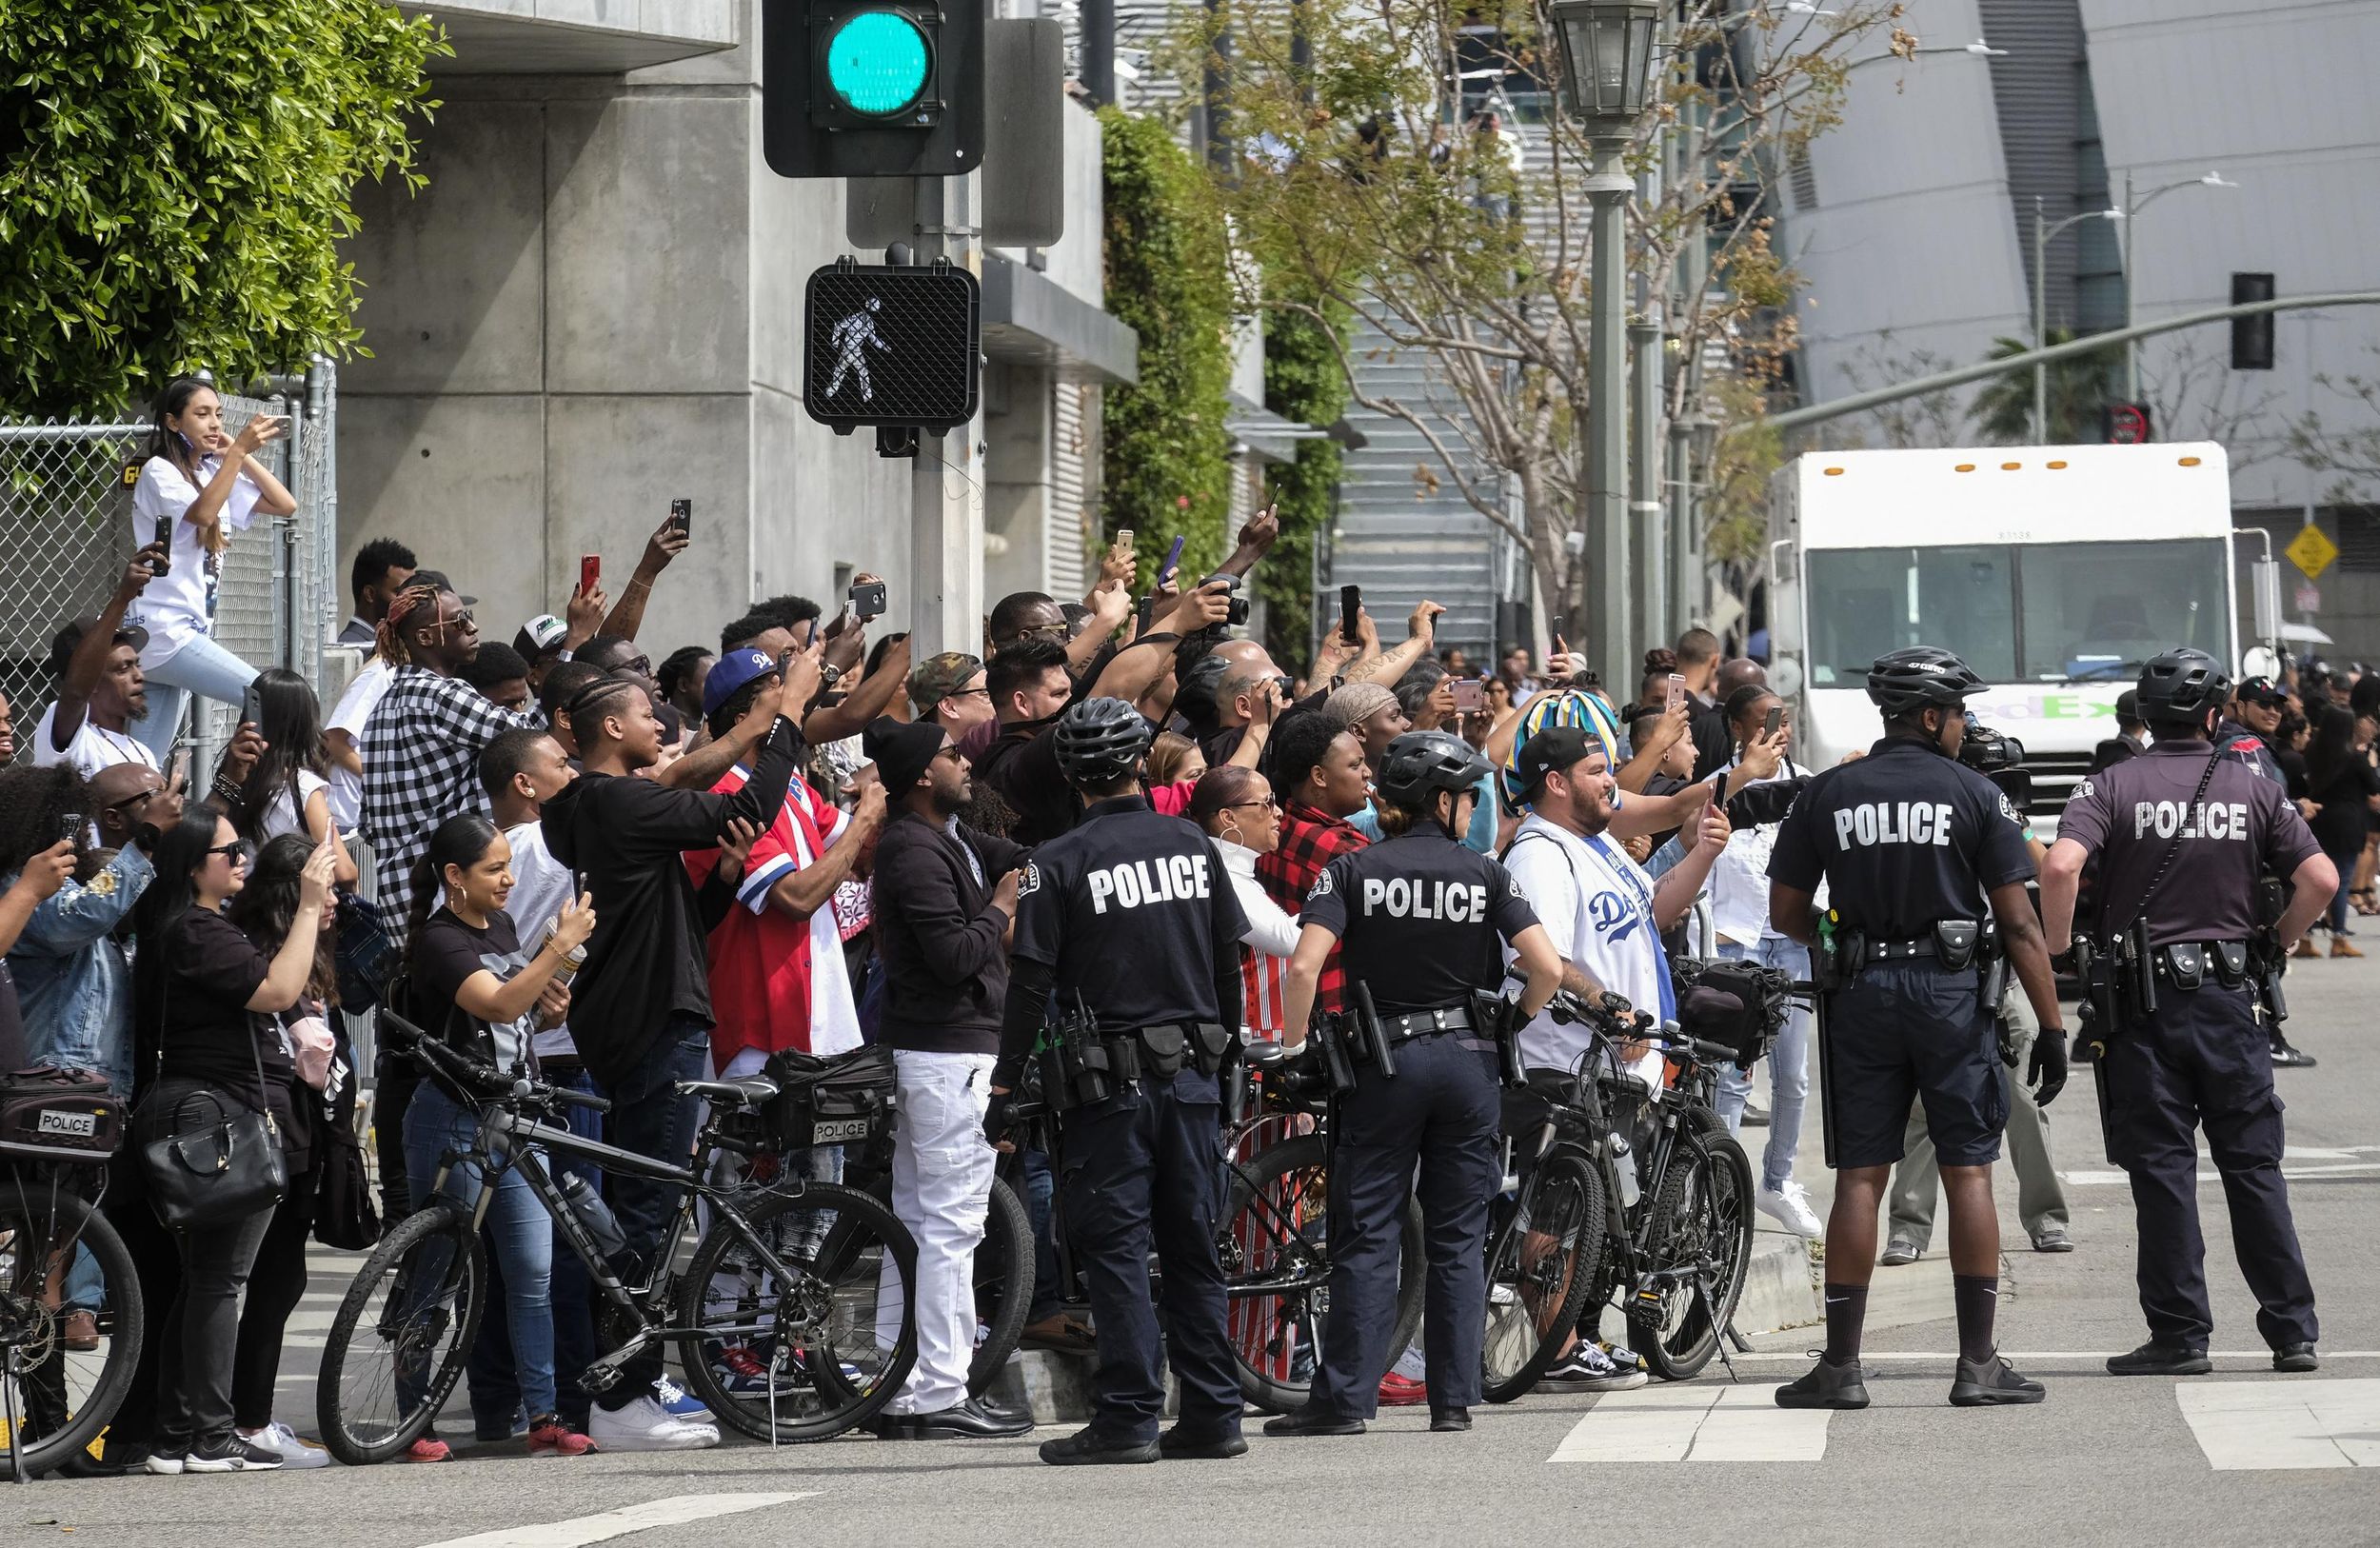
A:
[(783, 1318), (58, 1252)]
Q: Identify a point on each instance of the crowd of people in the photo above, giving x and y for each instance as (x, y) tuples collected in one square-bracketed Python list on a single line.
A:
[(554, 850)]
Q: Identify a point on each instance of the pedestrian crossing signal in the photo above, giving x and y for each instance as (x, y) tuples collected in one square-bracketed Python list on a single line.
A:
[(892, 345)]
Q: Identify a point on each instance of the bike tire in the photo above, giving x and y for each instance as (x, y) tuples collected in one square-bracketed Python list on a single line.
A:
[(1003, 1284), (802, 1379), (1276, 1333), (40, 1223), (1560, 1208), (434, 1271), (1704, 1215)]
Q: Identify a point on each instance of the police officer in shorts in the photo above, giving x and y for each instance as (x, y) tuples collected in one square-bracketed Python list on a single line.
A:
[(1126, 943), (1421, 922), (2184, 832), (1911, 845)]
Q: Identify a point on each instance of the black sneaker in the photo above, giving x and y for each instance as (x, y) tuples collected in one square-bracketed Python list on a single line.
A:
[(229, 1453), (1311, 1421), (2289, 1056), (1088, 1448), (1992, 1383), (2296, 1357), (1827, 1386), (1217, 1446), (1448, 1421), (2154, 1359)]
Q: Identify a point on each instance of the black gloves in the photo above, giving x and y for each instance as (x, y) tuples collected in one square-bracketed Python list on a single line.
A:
[(2047, 1073), (995, 1118)]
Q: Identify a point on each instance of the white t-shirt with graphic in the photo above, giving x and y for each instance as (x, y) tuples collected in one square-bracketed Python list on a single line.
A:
[(179, 606), (1596, 904)]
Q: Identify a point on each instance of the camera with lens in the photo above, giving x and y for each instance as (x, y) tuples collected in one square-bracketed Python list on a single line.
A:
[(1999, 758), (1238, 613)]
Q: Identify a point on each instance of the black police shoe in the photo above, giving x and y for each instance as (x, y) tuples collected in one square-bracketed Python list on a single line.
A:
[(1311, 1421), (84, 1465), (2154, 1359), (1176, 1446), (2296, 1357), (1089, 1448), (1828, 1385), (1447, 1421), (975, 1420), (1988, 1383)]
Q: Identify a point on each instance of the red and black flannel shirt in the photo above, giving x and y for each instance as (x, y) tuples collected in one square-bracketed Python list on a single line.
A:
[(1309, 842)]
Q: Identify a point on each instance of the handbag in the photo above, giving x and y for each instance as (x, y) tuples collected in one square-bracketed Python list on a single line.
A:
[(223, 1168), (343, 1215), (364, 953)]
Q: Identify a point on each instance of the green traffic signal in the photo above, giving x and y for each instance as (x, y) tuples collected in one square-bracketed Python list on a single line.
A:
[(877, 63)]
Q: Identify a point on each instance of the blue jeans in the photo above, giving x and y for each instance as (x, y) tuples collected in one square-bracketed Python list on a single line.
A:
[(201, 668), (651, 1119), (518, 1228), (1789, 1064)]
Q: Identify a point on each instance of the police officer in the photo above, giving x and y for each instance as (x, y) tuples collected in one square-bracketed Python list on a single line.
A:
[(1911, 843), (2184, 832), (1421, 921), (1130, 918)]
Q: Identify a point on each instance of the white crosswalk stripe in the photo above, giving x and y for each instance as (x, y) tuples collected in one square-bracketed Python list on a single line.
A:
[(675, 1510), (1695, 1422), (2275, 1424)]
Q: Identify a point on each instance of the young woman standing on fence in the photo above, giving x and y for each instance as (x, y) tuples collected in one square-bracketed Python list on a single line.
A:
[(208, 485)]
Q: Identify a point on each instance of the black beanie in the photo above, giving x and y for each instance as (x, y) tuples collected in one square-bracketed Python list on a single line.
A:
[(901, 752)]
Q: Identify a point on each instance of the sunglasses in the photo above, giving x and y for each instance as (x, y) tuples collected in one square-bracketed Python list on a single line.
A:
[(230, 851), (135, 799), (1272, 802)]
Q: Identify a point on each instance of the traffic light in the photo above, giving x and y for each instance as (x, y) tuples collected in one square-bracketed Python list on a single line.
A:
[(2252, 337), (872, 88), (2125, 424), (892, 345)]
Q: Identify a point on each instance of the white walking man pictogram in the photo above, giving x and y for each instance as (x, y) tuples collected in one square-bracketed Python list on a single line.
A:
[(853, 337)]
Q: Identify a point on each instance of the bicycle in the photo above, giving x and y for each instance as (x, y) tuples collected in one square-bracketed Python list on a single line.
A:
[(781, 1318), (53, 1400)]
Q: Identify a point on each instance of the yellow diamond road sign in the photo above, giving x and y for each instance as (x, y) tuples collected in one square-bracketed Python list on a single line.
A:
[(2312, 550)]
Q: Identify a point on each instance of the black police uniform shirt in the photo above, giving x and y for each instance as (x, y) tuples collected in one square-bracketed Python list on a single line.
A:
[(1422, 920), (2134, 814), (1905, 838), (1129, 909)]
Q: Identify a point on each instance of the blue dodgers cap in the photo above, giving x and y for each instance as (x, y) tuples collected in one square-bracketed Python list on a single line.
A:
[(728, 678)]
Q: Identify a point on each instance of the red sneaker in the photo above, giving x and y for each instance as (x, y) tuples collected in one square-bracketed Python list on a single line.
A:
[(1402, 1391), (428, 1449), (549, 1434)]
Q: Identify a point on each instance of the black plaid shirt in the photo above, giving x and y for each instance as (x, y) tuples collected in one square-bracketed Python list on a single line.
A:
[(421, 766)]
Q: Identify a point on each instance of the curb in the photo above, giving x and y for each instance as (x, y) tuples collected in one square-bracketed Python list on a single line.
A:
[(1779, 1288)]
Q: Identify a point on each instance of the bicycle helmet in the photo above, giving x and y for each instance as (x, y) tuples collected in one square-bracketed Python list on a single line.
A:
[(1921, 677), (1420, 763), (2180, 686), (1101, 741)]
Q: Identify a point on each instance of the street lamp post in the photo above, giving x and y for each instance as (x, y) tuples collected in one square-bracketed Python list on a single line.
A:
[(1607, 64), (2132, 207), (2041, 238)]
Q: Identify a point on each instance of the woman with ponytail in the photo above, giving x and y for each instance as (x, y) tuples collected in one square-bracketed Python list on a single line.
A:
[(204, 483)]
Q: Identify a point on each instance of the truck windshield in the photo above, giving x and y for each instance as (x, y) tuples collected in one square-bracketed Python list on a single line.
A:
[(2049, 612)]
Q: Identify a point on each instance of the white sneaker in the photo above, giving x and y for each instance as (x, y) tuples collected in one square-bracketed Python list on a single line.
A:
[(1789, 1206), (295, 1452), (645, 1425)]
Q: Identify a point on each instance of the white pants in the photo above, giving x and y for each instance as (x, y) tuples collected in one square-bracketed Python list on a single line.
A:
[(942, 1180)]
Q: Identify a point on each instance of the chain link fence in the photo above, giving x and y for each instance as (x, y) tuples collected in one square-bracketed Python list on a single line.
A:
[(67, 531)]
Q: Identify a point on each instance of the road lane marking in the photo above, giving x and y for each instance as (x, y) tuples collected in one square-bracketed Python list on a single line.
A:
[(2208, 1176), (1697, 1423), (1877, 1356), (2277, 1424), (675, 1510)]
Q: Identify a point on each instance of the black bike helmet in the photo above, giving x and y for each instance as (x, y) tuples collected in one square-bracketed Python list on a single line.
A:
[(2181, 686), (1101, 741), (1420, 763), (1922, 676)]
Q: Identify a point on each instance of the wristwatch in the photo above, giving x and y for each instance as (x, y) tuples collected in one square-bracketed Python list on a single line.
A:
[(829, 675)]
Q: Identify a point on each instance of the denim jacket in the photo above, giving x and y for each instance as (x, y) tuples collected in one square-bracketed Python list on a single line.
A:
[(74, 981)]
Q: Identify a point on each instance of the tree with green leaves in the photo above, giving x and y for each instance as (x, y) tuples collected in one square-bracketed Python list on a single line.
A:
[(2077, 390), (174, 180)]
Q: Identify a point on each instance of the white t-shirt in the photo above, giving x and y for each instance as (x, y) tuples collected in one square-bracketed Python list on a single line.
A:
[(1739, 877), (541, 885), (178, 606), (282, 815), (1597, 905), (89, 750), (354, 707)]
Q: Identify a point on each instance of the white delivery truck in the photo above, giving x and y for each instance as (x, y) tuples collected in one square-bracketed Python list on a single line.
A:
[(2056, 571)]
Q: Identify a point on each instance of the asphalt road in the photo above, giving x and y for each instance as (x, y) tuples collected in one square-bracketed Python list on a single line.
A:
[(2241, 1457)]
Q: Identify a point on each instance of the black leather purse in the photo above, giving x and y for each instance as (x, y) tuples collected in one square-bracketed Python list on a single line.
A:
[(222, 1162)]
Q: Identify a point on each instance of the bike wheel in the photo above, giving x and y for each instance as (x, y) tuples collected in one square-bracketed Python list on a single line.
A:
[(52, 1241), (402, 1336), (809, 1359), (1542, 1265), (1702, 1246), (1275, 1247), (1003, 1284)]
